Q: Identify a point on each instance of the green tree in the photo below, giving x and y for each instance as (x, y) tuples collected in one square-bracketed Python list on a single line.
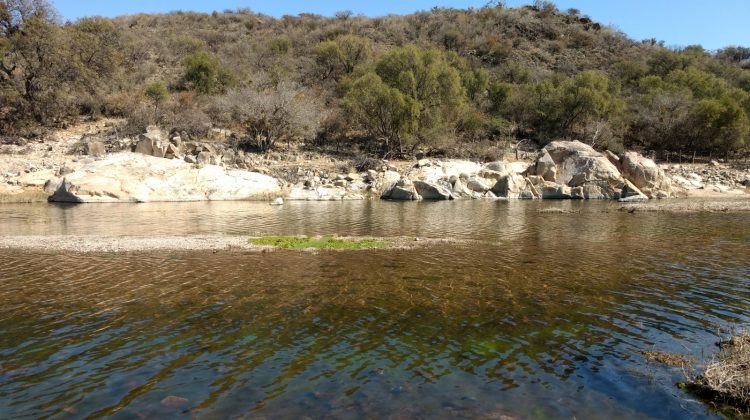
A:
[(157, 93), (205, 74), (342, 55), (385, 112), (431, 82)]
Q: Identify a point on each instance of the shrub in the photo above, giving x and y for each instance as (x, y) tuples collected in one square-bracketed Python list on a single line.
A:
[(205, 74)]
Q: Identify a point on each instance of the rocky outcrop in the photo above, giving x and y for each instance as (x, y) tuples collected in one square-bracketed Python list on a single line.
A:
[(133, 177)]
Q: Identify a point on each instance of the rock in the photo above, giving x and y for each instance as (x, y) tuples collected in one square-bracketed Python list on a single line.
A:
[(218, 134), (323, 193), (204, 158), (514, 186), (150, 146), (545, 167), (402, 190), (95, 148), (51, 185), (630, 192), (228, 156), (599, 191), (578, 163), (461, 191), (613, 158), (176, 140), (339, 183), (497, 166), (130, 177), (431, 191), (714, 163), (477, 184), (278, 201), (423, 163), (171, 151), (190, 159), (550, 190), (641, 171), (576, 193)]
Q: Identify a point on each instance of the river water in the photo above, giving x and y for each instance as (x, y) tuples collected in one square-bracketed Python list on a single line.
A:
[(543, 315)]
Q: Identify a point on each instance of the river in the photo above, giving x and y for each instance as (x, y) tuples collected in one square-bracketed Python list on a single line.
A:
[(543, 314)]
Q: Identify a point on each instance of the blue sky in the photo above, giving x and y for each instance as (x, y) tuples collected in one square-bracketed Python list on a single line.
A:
[(713, 24)]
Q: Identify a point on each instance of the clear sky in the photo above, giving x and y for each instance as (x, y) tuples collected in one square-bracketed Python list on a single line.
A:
[(711, 23)]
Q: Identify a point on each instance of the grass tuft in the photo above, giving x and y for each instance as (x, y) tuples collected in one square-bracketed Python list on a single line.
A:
[(319, 242)]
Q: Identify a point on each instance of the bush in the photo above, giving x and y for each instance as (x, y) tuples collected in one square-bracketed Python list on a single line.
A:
[(205, 74)]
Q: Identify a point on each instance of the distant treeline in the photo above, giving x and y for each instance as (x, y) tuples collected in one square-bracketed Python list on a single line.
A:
[(443, 79)]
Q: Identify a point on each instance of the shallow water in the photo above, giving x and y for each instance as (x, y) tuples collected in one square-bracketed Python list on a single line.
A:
[(544, 316)]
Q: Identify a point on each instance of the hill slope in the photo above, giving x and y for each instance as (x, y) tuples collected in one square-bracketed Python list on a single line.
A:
[(445, 79)]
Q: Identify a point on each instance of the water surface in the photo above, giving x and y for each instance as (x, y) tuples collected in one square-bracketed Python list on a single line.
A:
[(544, 316)]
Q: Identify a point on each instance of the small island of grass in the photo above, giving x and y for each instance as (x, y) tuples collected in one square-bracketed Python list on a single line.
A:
[(322, 242)]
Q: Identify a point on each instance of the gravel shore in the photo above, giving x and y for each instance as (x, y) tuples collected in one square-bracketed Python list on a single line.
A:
[(90, 244), (689, 206)]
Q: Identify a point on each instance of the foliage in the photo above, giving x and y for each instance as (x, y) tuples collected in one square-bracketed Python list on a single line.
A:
[(342, 55), (157, 92), (445, 79), (385, 112), (205, 74)]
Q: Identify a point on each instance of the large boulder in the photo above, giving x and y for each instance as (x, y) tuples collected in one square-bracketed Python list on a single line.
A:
[(645, 174), (402, 190), (545, 167), (131, 177), (432, 191), (515, 186), (578, 163)]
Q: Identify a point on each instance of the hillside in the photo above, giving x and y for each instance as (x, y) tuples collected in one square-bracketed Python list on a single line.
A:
[(445, 81)]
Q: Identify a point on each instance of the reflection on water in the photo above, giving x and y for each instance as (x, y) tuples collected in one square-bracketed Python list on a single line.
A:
[(543, 318)]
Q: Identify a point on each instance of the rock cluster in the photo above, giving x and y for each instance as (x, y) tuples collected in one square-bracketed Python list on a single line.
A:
[(714, 177), (563, 170)]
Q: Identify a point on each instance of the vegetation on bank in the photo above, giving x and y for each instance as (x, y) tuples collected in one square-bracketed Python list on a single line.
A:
[(299, 243), (445, 80), (725, 381)]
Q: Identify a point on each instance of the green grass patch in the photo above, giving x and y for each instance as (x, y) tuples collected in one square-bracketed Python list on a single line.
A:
[(322, 242)]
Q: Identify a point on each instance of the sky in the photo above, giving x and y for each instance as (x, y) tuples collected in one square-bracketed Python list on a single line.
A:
[(713, 24)]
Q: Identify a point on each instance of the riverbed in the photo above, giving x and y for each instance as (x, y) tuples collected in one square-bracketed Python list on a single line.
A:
[(536, 310)]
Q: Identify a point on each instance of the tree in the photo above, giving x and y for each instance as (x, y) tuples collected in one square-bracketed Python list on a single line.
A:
[(568, 107), (431, 82), (342, 55), (157, 93), (385, 112), (283, 113), (33, 74), (205, 74)]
